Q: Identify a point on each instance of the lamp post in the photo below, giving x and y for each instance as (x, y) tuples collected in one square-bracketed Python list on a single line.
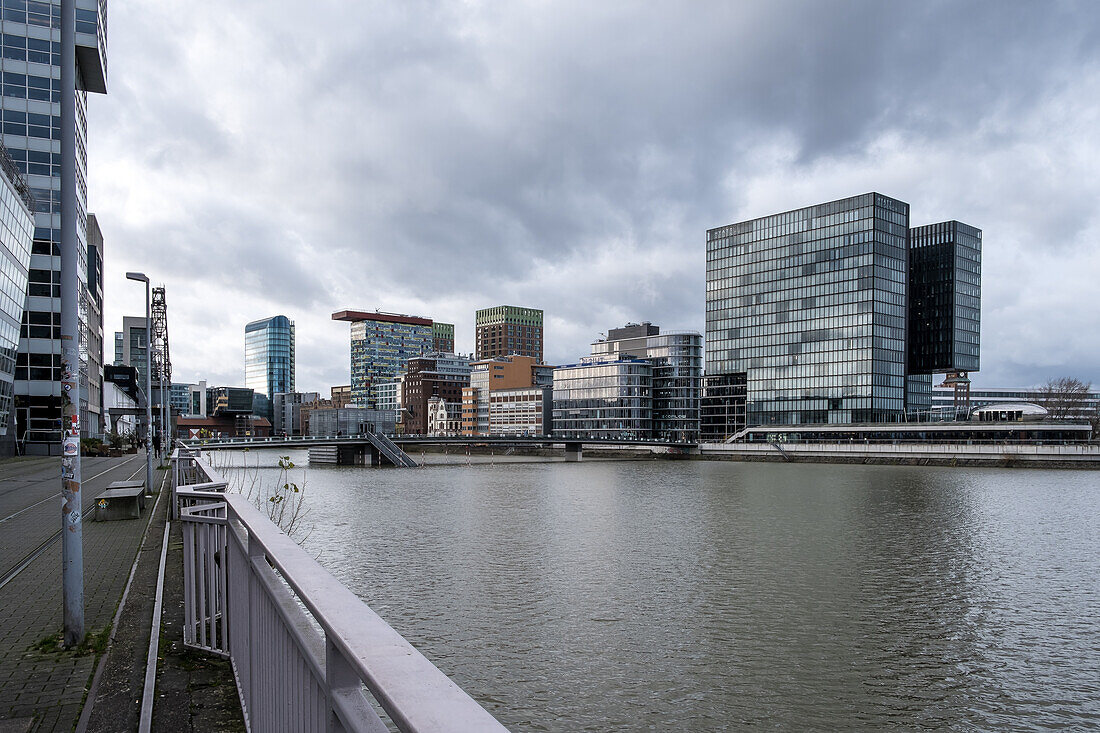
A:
[(72, 549), (140, 277)]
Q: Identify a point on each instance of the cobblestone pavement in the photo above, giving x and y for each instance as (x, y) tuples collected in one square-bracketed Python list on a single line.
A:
[(30, 498), (42, 688)]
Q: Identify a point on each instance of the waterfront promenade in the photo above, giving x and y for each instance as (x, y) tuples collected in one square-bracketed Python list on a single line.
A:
[(43, 688)]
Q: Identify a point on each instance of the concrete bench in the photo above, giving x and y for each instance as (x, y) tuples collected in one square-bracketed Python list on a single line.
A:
[(121, 500)]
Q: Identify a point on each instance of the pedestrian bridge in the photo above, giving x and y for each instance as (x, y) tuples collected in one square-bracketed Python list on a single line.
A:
[(364, 446)]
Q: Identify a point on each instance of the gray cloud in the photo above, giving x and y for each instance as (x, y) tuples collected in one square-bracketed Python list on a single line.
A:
[(440, 157)]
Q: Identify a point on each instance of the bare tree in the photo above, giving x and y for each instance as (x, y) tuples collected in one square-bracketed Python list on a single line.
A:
[(1063, 397)]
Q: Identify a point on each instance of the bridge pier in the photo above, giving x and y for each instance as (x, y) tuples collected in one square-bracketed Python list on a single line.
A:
[(357, 455), (573, 452)]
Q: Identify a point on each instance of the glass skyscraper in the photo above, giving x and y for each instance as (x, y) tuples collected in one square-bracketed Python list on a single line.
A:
[(269, 359), (30, 66), (810, 305), (16, 233), (381, 344), (836, 313), (945, 297)]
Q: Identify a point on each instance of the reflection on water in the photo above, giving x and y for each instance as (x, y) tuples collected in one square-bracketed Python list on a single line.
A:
[(705, 596)]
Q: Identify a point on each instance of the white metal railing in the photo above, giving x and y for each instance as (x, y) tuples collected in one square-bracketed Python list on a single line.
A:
[(307, 653), (1083, 451)]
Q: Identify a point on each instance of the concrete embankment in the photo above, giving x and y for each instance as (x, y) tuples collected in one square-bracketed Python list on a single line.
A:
[(1079, 456)]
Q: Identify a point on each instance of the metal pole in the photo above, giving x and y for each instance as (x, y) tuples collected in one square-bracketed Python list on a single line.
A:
[(148, 392), (72, 550), (163, 418)]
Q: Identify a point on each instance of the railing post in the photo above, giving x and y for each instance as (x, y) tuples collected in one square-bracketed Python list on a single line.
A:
[(255, 555)]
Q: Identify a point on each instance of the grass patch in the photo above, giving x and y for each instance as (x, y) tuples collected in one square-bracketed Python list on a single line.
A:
[(94, 642)]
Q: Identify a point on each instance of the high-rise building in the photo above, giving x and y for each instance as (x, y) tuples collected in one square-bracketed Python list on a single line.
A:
[(443, 337), (945, 268), (132, 347), (91, 376), (507, 329), (31, 66), (677, 359), (381, 344), (269, 360), (16, 235), (808, 316)]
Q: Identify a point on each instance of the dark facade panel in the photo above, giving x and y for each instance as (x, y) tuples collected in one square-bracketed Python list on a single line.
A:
[(945, 298)]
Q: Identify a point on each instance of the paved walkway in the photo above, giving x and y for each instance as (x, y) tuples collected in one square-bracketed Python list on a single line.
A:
[(42, 688)]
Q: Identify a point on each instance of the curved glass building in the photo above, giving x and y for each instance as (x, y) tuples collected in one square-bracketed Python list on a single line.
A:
[(269, 359)]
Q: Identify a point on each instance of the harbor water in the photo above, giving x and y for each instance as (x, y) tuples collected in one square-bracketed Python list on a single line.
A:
[(698, 595)]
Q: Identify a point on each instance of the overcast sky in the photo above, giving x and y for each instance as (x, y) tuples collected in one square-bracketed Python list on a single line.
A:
[(261, 158)]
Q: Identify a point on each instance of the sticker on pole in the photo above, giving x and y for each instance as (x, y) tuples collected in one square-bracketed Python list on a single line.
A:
[(72, 447)]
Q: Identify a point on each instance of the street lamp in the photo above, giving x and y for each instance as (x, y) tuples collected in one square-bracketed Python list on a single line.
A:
[(141, 277)]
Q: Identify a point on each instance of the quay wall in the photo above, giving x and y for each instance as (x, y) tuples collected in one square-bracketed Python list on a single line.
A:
[(1085, 455)]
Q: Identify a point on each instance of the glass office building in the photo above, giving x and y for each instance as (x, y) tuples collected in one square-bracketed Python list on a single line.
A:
[(381, 344), (30, 66), (601, 398), (945, 266), (16, 234), (269, 360), (810, 305), (677, 375)]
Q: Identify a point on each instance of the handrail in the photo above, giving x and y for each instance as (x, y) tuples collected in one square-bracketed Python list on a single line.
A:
[(248, 588)]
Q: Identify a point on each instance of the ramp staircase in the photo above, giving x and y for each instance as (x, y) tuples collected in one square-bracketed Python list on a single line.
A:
[(392, 451)]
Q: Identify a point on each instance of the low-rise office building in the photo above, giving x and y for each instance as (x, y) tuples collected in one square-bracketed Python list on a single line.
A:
[(489, 376), (522, 411), (223, 426), (287, 411), (604, 398), (677, 359), (339, 421)]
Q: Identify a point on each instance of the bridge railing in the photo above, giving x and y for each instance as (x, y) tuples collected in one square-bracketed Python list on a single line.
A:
[(306, 652)]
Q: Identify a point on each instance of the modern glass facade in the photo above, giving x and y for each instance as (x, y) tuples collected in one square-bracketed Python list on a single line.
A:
[(677, 376), (269, 360), (722, 414), (91, 375), (443, 337), (945, 268), (16, 235), (810, 305), (179, 398), (380, 350), (604, 399), (30, 66)]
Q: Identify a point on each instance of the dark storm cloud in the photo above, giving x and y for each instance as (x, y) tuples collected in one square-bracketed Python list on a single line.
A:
[(439, 157)]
